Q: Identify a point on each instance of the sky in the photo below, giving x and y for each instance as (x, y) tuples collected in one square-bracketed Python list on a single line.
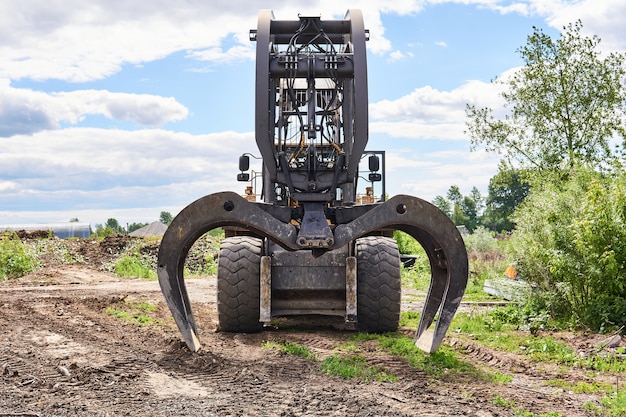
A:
[(126, 108)]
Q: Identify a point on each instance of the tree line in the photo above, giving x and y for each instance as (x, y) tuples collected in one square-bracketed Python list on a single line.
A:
[(113, 226), (506, 191)]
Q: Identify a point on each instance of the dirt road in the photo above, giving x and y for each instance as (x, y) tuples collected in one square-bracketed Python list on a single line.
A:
[(63, 352)]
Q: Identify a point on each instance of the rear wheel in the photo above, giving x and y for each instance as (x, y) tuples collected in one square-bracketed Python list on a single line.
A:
[(238, 284), (378, 284)]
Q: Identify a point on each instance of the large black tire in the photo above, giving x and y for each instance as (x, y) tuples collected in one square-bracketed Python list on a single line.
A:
[(378, 284), (238, 284)]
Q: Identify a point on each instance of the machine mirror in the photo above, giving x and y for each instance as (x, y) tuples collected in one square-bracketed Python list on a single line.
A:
[(244, 163), (374, 163), (243, 177)]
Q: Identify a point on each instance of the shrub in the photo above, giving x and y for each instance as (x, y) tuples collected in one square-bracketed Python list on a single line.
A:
[(15, 261), (407, 245), (481, 240), (571, 242), (136, 262)]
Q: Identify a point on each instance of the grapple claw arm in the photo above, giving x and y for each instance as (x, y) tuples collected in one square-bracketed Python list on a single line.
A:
[(204, 214), (443, 245), (423, 221)]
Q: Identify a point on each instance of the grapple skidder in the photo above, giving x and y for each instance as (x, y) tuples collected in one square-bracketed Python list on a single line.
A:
[(309, 247)]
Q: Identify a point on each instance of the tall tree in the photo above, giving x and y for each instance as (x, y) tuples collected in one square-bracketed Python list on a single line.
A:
[(478, 199), (454, 194), (462, 210), (166, 217), (507, 189), (564, 105), (114, 225), (443, 205)]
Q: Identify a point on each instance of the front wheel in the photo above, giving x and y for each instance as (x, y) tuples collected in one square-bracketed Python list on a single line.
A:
[(238, 284), (378, 284)]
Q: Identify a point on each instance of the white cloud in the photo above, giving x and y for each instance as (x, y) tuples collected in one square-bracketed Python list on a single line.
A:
[(24, 111), (218, 55), (399, 55), (603, 18), (94, 174), (428, 113), (85, 41), (465, 169), (442, 44), (7, 185), (416, 130)]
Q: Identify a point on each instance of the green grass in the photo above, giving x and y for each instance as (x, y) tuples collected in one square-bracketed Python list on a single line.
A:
[(135, 265), (503, 329), (443, 361), (581, 387), (613, 405), (409, 319), (290, 348), (518, 411), (355, 366), (134, 311), (346, 363)]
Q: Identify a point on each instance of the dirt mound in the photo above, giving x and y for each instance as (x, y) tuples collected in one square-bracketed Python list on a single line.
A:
[(32, 234)]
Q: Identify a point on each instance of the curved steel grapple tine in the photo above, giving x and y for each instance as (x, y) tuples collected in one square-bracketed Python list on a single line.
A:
[(439, 283), (443, 245), (444, 297), (204, 214)]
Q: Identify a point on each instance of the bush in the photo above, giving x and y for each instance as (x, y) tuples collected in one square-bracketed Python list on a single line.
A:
[(481, 240), (407, 245), (136, 262), (15, 261), (571, 242)]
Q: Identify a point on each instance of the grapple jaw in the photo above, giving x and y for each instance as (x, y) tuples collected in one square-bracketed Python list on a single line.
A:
[(423, 221)]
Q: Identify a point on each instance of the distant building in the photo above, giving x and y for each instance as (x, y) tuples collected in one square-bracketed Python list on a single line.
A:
[(60, 230)]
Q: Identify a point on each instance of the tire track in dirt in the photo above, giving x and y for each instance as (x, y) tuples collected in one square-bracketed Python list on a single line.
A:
[(119, 368)]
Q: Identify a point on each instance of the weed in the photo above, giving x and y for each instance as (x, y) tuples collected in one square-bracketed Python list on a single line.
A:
[(551, 414), (298, 350), (437, 364), (499, 329), (291, 349), (364, 337), (615, 404), (202, 257), (500, 378), (487, 260), (409, 319), (15, 260), (502, 402), (134, 311), (523, 413), (53, 249), (134, 266), (355, 366), (418, 275), (580, 387), (345, 366)]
